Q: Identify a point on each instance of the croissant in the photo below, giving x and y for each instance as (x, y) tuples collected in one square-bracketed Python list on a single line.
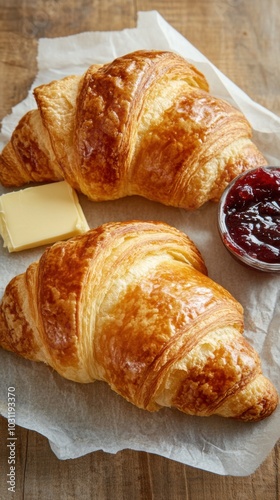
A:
[(144, 124), (131, 304)]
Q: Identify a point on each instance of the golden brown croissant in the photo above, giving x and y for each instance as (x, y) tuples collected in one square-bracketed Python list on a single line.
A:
[(130, 303), (144, 124)]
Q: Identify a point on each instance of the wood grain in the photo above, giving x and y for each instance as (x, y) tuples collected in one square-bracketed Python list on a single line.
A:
[(242, 38)]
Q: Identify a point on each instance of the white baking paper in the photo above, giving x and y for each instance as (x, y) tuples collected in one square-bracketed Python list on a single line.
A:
[(79, 419)]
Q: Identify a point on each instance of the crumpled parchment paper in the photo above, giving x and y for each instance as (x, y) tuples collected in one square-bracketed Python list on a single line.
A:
[(78, 419)]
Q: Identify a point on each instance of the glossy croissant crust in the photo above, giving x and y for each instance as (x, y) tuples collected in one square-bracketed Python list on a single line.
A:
[(130, 304), (144, 124)]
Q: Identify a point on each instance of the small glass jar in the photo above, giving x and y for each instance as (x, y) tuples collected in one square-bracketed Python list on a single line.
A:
[(249, 218)]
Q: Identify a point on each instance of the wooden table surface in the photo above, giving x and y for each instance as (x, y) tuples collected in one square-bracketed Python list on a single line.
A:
[(242, 38)]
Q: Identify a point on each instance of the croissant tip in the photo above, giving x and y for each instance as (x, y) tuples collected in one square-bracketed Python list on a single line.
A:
[(263, 409)]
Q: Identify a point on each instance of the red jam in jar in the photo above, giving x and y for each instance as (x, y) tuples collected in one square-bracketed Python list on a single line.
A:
[(250, 215)]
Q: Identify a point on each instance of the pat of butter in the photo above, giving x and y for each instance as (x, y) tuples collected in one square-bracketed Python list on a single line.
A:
[(40, 215)]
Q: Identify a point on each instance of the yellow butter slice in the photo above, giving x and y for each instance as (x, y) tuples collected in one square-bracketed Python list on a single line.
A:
[(40, 215)]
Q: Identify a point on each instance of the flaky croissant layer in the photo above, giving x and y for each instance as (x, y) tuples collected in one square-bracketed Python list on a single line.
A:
[(131, 304), (144, 124)]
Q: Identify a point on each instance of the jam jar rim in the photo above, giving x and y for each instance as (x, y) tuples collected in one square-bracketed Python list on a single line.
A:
[(229, 243)]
